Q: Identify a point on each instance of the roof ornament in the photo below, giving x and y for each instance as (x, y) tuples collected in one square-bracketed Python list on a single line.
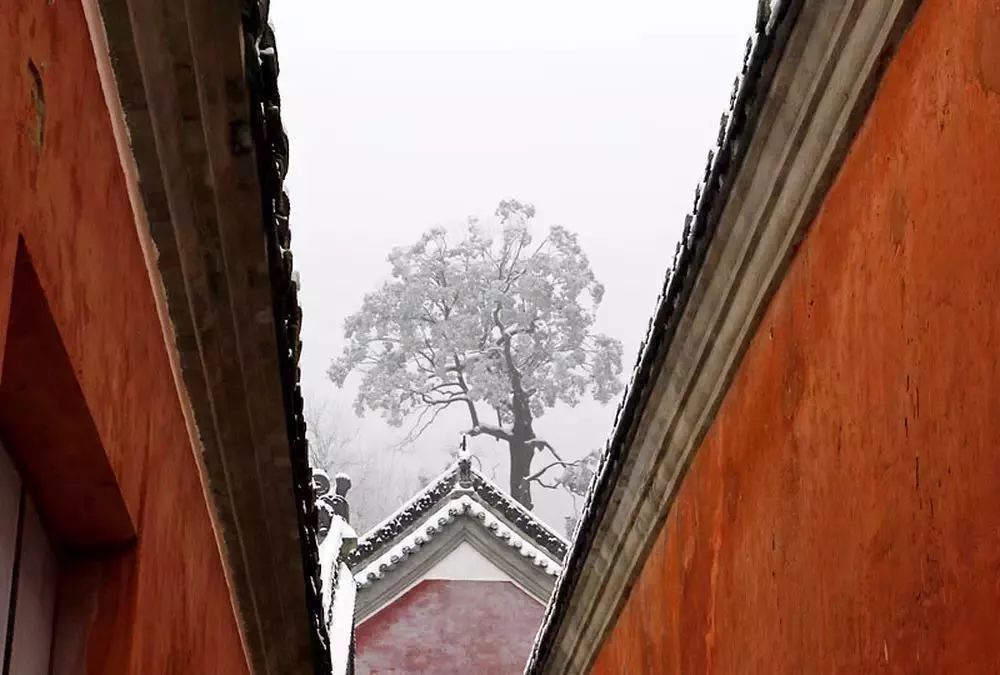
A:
[(331, 499), (324, 511), (464, 464), (342, 483)]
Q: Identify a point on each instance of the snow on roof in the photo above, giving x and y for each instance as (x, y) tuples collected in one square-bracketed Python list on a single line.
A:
[(338, 592), (443, 479), (515, 506), (331, 551), (340, 619), (486, 495), (462, 505)]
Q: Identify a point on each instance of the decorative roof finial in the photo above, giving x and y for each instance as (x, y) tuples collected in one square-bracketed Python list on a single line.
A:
[(464, 464), (320, 483), (338, 500), (343, 482)]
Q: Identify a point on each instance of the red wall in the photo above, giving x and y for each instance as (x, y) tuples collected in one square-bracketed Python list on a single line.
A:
[(163, 603), (843, 513), (480, 627)]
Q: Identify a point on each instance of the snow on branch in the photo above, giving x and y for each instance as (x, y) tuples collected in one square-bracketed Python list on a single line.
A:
[(492, 318)]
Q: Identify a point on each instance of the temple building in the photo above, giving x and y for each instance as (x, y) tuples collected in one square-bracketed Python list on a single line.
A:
[(157, 513), (455, 581), (803, 476)]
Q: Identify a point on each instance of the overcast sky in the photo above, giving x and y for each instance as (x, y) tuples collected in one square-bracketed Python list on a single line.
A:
[(403, 115)]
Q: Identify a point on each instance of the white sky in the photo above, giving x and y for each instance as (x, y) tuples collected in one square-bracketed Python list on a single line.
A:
[(403, 115)]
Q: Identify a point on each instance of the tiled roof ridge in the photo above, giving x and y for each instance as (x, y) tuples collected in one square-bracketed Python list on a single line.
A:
[(461, 505), (710, 196), (384, 534), (271, 149), (446, 475), (398, 524), (512, 510)]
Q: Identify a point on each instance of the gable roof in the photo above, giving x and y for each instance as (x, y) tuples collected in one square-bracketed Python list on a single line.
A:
[(459, 506), (482, 490)]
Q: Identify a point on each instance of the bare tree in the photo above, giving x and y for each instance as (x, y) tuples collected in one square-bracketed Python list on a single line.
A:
[(329, 440), (379, 485)]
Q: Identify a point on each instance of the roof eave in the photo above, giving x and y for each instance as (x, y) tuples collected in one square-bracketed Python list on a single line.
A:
[(805, 87), (382, 580), (445, 486), (199, 102)]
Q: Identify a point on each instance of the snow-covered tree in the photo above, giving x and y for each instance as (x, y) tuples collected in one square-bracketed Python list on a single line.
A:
[(498, 325)]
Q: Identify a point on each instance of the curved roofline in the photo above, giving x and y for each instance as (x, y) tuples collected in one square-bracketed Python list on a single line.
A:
[(410, 515)]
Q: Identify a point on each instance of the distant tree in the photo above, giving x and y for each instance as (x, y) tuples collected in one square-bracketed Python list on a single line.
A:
[(498, 325), (329, 441), (380, 485)]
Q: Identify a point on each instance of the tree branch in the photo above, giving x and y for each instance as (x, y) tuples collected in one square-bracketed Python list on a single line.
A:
[(489, 430), (540, 443), (420, 426), (548, 486), (561, 463), (473, 413)]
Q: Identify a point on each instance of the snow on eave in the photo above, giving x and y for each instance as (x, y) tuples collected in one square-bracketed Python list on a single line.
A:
[(338, 593), (395, 515), (330, 553), (457, 507), (514, 504), (341, 620), (401, 522)]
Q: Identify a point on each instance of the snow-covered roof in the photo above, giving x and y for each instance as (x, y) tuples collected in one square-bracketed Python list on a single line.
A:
[(459, 505), (445, 515), (491, 504), (338, 593), (337, 588), (340, 620)]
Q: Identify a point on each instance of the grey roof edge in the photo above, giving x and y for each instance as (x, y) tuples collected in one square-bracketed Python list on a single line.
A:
[(196, 89), (764, 50), (272, 152), (811, 71), (405, 519)]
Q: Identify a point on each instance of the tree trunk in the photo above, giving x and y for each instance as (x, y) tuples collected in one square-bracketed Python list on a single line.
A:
[(520, 468), (521, 453)]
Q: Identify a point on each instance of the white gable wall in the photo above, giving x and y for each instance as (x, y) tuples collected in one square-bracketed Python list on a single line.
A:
[(465, 563)]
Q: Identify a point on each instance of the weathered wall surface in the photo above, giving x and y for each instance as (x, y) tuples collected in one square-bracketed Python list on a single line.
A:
[(843, 512), (163, 605), (480, 627)]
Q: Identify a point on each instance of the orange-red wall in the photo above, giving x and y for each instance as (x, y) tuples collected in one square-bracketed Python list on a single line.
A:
[(165, 606), (843, 513)]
